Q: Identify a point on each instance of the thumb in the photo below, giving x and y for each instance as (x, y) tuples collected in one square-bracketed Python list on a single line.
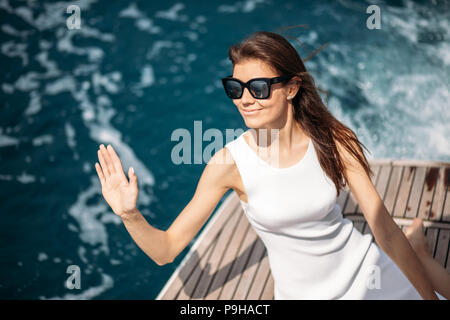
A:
[(132, 176)]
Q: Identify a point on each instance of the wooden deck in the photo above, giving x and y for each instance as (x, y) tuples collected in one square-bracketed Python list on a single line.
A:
[(229, 261)]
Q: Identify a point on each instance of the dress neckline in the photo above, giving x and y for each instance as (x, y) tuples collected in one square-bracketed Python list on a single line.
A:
[(295, 165)]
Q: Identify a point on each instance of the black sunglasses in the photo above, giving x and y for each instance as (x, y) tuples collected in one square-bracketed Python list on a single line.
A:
[(259, 88)]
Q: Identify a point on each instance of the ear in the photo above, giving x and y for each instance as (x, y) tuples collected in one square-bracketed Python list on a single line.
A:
[(294, 85)]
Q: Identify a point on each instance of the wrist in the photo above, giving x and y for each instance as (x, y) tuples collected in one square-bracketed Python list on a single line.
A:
[(129, 215)]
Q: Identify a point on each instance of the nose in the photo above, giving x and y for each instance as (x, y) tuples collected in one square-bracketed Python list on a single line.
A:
[(247, 96)]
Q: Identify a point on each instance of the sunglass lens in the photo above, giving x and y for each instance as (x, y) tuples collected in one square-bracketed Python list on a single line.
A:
[(233, 89), (260, 89)]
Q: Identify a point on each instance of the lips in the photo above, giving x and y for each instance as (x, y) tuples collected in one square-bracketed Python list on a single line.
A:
[(250, 111)]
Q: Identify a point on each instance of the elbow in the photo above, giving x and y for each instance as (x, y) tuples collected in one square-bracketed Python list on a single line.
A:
[(168, 257), (160, 263), (163, 262)]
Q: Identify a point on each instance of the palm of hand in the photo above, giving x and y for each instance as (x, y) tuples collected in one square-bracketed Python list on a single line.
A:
[(119, 193)]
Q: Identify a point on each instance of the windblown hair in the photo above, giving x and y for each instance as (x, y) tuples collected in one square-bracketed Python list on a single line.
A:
[(309, 110)]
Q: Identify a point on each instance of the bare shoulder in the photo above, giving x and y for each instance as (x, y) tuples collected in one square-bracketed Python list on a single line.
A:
[(353, 168), (222, 168), (348, 157)]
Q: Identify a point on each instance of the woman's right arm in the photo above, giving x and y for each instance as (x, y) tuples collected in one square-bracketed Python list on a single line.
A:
[(163, 246)]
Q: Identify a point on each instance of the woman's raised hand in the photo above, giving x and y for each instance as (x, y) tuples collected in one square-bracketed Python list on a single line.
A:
[(119, 193)]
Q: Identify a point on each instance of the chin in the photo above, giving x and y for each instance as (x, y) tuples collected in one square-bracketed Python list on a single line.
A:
[(254, 123)]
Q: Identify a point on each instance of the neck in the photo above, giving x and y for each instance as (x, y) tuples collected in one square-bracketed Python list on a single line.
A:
[(287, 132)]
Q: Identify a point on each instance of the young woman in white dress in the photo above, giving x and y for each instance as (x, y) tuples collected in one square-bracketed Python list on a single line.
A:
[(307, 135)]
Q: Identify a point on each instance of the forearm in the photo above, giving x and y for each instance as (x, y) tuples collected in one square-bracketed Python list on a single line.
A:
[(395, 244), (153, 241)]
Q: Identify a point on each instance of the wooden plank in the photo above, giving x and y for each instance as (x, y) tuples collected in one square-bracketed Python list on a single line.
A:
[(238, 265), (392, 189), (431, 178), (419, 163), (268, 293), (446, 212), (249, 274), (230, 256), (437, 206), (404, 191), (367, 229), (447, 267), (406, 222), (261, 276), (442, 246), (380, 161), (351, 205), (189, 286), (342, 199), (192, 258), (416, 192), (223, 242), (383, 181), (432, 236), (359, 225)]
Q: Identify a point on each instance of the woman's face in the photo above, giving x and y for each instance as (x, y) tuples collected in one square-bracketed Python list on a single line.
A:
[(261, 113)]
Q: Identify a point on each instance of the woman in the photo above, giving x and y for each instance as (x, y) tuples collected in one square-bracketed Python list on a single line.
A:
[(314, 253)]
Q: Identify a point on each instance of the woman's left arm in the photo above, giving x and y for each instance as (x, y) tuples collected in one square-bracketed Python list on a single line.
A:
[(386, 232)]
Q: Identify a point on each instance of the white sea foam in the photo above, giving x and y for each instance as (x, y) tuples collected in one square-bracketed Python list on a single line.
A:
[(90, 293), (50, 66), (109, 81), (130, 12), (94, 54), (43, 139), (142, 21), (158, 45), (42, 256), (6, 141), (7, 88), (70, 134), (147, 77), (172, 13), (243, 6), (13, 49), (35, 103), (25, 178), (92, 231), (27, 82), (67, 83)]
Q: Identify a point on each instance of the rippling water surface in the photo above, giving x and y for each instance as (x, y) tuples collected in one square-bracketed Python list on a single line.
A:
[(138, 70)]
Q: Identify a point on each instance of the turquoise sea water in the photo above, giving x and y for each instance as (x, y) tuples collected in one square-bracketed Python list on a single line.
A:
[(136, 71)]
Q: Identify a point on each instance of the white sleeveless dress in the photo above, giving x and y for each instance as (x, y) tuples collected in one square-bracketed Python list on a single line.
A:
[(314, 253)]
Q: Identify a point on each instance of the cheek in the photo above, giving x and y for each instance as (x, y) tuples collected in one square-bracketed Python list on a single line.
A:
[(275, 105)]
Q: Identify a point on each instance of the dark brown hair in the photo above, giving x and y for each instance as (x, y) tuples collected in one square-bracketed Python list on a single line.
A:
[(309, 110)]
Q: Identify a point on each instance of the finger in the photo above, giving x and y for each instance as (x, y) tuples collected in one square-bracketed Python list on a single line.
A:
[(132, 177), (107, 159), (105, 170), (99, 173), (115, 158)]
